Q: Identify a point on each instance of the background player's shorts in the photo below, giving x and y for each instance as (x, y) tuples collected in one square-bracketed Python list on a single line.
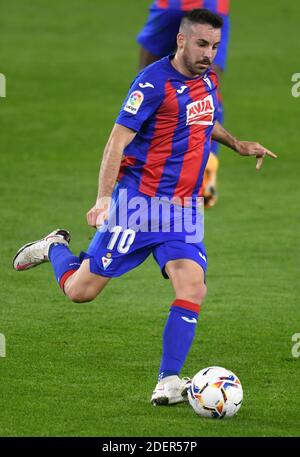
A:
[(159, 34), (136, 229)]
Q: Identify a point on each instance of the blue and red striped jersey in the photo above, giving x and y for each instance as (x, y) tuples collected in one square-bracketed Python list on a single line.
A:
[(217, 6), (173, 117)]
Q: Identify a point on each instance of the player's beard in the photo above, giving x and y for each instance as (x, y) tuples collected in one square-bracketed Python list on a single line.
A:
[(193, 66)]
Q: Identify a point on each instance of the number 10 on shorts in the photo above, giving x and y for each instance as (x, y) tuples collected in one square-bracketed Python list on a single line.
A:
[(124, 241)]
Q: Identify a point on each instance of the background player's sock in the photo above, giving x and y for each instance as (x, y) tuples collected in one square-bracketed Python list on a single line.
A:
[(63, 261), (178, 336)]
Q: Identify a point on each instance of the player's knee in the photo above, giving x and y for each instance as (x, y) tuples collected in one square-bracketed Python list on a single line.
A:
[(77, 295), (196, 293)]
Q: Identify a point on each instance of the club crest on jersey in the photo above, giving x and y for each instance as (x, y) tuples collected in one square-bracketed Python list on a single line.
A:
[(106, 261), (200, 112), (134, 102)]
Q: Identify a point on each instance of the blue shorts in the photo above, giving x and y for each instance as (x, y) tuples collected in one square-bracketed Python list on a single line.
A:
[(142, 227), (159, 34)]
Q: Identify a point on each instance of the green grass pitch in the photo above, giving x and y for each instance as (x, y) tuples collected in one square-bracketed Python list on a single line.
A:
[(89, 370)]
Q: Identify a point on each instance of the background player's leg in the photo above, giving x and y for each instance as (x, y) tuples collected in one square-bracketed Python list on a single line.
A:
[(158, 37), (146, 58), (84, 286), (210, 173)]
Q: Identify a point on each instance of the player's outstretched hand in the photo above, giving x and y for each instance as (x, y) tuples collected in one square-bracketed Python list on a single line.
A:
[(251, 148), (98, 214)]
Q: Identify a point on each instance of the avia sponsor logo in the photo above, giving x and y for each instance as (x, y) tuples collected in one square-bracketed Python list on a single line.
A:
[(134, 102), (200, 112)]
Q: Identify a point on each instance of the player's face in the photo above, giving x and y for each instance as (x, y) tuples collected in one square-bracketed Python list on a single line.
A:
[(198, 47)]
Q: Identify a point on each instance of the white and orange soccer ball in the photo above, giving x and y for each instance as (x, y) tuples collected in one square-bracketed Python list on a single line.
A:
[(215, 392)]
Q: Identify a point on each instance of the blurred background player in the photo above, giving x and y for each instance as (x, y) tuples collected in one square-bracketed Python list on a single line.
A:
[(158, 39)]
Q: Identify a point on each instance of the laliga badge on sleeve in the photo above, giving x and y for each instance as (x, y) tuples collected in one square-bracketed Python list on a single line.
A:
[(134, 102)]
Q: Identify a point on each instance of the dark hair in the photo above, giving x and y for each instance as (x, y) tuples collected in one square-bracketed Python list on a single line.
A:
[(203, 16)]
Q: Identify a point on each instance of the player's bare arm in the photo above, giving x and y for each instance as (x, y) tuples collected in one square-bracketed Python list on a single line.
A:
[(119, 138), (244, 148)]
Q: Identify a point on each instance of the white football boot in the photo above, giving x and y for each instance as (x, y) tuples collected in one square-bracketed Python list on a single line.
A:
[(171, 390), (32, 254)]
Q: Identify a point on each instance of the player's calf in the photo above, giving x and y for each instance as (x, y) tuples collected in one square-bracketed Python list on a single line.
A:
[(78, 295), (84, 286)]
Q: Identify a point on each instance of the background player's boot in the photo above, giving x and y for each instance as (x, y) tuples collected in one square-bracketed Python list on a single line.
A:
[(210, 181), (170, 390), (32, 254)]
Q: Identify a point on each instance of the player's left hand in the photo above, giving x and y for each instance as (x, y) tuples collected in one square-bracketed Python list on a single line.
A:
[(251, 148)]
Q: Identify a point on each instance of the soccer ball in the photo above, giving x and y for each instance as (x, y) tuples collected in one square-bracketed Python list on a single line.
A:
[(215, 392)]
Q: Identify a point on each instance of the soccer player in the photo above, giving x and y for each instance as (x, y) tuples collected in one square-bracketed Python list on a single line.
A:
[(157, 150), (158, 39)]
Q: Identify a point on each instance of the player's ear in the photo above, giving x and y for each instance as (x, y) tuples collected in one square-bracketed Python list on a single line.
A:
[(180, 40)]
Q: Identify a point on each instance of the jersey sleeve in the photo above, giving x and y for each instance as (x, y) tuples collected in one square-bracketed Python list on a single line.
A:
[(143, 99)]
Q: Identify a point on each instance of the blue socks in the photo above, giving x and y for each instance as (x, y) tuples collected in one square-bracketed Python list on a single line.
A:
[(178, 336), (64, 263)]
